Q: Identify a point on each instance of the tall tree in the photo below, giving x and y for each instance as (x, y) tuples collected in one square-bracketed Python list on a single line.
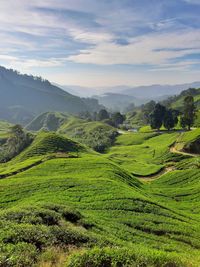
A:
[(103, 115), (168, 120), (157, 116), (188, 112), (147, 109), (117, 118)]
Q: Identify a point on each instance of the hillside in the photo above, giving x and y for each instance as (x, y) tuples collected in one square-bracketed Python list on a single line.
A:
[(177, 101), (88, 208), (50, 121), (23, 96), (189, 142), (95, 134)]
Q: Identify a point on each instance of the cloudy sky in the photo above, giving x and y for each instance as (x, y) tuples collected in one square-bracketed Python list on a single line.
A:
[(102, 42)]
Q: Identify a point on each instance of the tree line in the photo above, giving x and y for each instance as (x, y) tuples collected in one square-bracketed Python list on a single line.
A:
[(162, 116), (113, 119)]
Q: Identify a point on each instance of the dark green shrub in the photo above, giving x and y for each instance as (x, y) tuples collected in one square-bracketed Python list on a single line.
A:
[(65, 236)]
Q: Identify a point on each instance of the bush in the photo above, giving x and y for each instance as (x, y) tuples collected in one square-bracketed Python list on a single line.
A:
[(20, 255), (119, 257)]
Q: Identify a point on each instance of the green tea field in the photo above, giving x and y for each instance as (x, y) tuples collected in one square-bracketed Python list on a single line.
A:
[(63, 204)]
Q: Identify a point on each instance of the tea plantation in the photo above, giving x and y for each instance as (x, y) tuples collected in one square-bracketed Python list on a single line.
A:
[(137, 204)]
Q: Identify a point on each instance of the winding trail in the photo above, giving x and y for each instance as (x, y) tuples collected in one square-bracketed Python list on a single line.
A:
[(165, 170), (174, 150), (152, 177)]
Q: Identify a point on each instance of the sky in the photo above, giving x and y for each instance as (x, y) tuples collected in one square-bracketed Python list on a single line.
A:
[(95, 43)]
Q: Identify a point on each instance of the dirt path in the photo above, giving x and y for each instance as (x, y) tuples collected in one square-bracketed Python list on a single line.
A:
[(174, 150), (152, 177)]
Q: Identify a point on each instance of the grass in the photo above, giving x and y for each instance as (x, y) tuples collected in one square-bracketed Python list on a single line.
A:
[(93, 209), (97, 135), (186, 139), (143, 154)]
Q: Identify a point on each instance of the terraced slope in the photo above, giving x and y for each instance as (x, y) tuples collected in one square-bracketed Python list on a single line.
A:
[(97, 135), (143, 154), (90, 200), (189, 142), (45, 146)]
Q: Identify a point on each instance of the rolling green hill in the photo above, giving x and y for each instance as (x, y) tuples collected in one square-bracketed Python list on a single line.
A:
[(177, 102), (60, 202), (97, 135)]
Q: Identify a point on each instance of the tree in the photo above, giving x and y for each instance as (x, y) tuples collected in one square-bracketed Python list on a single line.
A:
[(17, 141), (103, 115), (168, 120), (188, 112), (147, 109), (117, 118), (157, 116)]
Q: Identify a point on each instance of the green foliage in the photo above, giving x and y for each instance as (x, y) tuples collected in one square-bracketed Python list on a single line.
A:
[(94, 204), (17, 141), (50, 121), (142, 153), (189, 141), (47, 143), (97, 135), (102, 115), (189, 110), (168, 120), (157, 116), (117, 118), (115, 257)]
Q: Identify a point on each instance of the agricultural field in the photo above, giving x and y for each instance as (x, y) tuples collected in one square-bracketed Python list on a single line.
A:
[(62, 204)]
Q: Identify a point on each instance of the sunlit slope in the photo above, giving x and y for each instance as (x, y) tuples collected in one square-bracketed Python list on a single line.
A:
[(143, 153), (67, 195), (46, 145), (180, 188), (189, 141), (113, 202)]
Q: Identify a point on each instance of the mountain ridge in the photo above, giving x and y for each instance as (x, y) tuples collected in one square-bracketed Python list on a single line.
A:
[(35, 95)]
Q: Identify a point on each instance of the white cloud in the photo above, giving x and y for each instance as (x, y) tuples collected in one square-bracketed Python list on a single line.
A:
[(90, 37), (156, 48)]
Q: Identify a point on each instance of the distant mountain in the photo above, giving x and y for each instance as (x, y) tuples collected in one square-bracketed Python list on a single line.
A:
[(118, 98), (31, 96), (89, 92), (158, 91), (78, 90), (118, 102)]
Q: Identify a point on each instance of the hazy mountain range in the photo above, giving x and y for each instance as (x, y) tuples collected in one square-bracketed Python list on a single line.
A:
[(147, 91), (119, 97), (24, 96)]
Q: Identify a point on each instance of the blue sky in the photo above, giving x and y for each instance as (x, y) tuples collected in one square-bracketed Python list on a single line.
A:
[(98, 43)]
